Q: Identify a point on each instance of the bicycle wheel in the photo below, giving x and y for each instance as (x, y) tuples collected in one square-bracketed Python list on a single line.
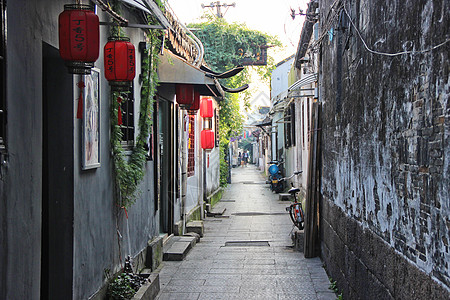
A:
[(297, 215)]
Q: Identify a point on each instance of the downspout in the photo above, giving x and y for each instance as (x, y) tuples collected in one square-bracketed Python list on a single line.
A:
[(183, 171), (205, 196), (274, 142)]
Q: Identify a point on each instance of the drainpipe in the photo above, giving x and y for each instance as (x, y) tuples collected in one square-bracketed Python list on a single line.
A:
[(274, 142), (205, 196), (183, 171)]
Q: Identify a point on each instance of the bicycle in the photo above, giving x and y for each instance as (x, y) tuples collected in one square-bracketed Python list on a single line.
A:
[(295, 210)]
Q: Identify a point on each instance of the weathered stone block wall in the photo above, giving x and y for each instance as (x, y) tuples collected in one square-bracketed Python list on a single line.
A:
[(386, 146)]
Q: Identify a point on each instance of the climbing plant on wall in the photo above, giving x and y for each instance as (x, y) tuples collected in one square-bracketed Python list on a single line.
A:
[(224, 44), (129, 169)]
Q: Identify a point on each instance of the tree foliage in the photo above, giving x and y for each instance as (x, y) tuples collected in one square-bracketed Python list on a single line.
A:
[(223, 43)]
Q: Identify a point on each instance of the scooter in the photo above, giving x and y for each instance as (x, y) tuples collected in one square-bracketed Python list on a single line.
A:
[(276, 185)]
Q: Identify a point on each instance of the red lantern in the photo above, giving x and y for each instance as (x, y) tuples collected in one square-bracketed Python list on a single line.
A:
[(195, 105), (207, 137), (120, 62), (207, 108), (79, 37), (185, 95)]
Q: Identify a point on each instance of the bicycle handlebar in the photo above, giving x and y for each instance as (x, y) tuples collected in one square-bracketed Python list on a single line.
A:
[(287, 178)]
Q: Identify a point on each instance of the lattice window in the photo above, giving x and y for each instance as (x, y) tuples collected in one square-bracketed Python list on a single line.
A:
[(191, 147), (127, 126)]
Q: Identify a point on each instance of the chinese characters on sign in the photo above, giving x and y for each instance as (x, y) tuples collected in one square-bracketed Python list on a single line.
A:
[(256, 56), (78, 34), (109, 59)]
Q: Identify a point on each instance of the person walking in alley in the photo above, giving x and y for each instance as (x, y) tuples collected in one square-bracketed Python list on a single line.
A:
[(245, 157)]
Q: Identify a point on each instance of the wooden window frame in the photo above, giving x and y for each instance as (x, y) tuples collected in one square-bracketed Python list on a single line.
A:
[(191, 147), (128, 120), (289, 126)]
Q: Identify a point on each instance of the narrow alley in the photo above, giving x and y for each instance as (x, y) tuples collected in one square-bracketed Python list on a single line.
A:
[(247, 253)]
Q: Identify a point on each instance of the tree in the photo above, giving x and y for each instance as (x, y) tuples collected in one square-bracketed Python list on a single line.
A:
[(224, 44)]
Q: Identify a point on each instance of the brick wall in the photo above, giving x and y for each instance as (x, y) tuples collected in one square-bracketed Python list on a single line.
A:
[(386, 147)]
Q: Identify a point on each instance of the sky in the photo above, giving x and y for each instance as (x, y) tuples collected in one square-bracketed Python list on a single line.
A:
[(269, 16)]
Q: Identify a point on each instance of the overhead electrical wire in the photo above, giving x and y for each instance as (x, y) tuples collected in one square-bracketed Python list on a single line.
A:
[(391, 54), (333, 14)]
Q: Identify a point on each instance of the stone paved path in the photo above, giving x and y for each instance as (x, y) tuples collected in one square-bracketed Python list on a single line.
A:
[(262, 266)]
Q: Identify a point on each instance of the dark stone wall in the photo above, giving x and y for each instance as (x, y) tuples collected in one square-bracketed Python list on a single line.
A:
[(365, 266), (386, 147)]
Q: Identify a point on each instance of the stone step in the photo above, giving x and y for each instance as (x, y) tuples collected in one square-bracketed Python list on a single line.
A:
[(284, 197), (178, 247), (216, 213), (195, 226)]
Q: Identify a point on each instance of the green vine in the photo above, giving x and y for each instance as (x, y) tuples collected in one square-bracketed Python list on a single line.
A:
[(129, 171), (223, 43)]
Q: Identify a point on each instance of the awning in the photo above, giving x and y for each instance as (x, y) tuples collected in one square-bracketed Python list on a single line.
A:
[(308, 79), (266, 122), (150, 7), (173, 69)]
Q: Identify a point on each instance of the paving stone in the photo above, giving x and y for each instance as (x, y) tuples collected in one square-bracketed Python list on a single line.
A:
[(224, 277), (298, 297), (326, 296), (260, 261), (222, 296), (184, 282), (178, 296), (201, 288), (274, 271)]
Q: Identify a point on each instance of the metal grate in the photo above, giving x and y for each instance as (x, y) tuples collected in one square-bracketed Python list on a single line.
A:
[(247, 244), (252, 214)]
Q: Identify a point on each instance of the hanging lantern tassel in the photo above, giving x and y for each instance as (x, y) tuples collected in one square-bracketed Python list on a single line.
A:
[(208, 160), (80, 100), (119, 111)]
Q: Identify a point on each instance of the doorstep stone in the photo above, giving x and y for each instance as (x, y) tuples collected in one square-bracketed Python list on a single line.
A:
[(216, 213), (178, 248), (194, 234), (195, 226), (284, 197)]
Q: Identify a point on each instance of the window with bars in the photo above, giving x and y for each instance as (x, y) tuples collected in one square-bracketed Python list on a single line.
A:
[(3, 76), (127, 126), (191, 147)]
